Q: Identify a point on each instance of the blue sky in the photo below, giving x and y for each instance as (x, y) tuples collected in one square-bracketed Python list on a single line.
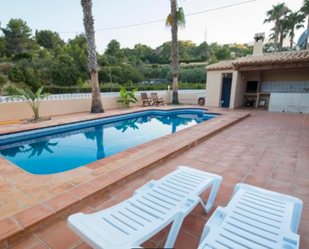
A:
[(236, 24)]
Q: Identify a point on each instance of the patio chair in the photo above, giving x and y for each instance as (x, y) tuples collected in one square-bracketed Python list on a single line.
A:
[(151, 208), (147, 101), (156, 100), (254, 218)]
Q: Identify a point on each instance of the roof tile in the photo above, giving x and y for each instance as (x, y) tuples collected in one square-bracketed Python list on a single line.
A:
[(277, 57)]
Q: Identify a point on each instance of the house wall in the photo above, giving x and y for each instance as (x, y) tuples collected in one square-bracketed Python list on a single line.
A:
[(287, 74), (214, 87), (238, 90)]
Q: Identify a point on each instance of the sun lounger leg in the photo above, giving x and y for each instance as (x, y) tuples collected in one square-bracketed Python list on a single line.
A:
[(172, 236), (212, 196)]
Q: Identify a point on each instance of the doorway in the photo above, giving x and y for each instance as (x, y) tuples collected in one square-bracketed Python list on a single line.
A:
[(226, 90)]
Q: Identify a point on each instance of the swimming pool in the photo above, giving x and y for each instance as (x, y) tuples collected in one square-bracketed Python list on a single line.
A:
[(61, 148)]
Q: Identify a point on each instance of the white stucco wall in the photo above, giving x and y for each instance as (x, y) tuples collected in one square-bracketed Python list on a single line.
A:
[(238, 90), (214, 87), (289, 102)]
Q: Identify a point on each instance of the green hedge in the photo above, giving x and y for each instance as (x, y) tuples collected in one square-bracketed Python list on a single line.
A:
[(75, 89)]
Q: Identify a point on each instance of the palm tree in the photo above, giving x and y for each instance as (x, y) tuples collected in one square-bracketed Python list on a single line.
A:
[(38, 148), (32, 99), (175, 18), (283, 32), (294, 21), (96, 105), (305, 11), (98, 136), (275, 15)]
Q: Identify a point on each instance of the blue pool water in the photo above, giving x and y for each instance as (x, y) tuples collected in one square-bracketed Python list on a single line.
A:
[(61, 148)]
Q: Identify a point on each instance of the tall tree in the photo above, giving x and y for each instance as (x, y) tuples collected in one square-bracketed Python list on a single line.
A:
[(96, 105), (275, 15), (114, 54), (283, 32), (305, 10), (175, 18), (18, 37), (48, 39), (77, 48), (2, 46), (294, 21)]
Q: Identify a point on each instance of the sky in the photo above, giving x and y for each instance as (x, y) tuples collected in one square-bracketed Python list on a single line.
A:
[(234, 24)]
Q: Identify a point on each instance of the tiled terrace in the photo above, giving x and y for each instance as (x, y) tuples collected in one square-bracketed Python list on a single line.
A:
[(30, 202), (269, 150)]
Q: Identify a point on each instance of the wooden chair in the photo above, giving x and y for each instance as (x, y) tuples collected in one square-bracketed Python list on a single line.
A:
[(156, 100), (146, 100)]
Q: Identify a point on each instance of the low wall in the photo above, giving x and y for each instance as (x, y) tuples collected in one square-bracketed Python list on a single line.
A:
[(64, 104), (289, 102)]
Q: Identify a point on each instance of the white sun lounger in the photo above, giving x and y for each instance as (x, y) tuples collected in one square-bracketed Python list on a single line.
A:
[(254, 218), (152, 207)]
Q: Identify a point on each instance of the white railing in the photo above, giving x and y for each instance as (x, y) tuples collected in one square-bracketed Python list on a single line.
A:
[(103, 95)]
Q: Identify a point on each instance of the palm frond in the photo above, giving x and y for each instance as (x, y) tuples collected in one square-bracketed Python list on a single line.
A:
[(134, 90), (181, 18), (38, 92), (29, 94), (305, 8), (169, 21)]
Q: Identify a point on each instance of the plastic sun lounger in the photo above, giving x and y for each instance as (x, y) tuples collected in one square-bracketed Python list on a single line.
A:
[(254, 218), (151, 208)]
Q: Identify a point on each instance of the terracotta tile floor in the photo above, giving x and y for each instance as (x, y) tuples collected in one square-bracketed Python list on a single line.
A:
[(269, 150)]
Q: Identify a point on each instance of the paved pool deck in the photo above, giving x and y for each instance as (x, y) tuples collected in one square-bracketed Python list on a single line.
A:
[(29, 202), (269, 150)]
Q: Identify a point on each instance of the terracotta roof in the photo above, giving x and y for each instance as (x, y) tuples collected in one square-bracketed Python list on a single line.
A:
[(271, 58), (220, 65)]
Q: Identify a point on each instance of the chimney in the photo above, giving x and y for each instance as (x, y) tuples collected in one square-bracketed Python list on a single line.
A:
[(258, 44)]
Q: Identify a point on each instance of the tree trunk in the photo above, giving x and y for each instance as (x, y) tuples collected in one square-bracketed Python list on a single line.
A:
[(292, 41), (276, 36), (306, 45), (96, 104), (99, 135), (174, 126), (281, 33), (36, 115), (175, 52)]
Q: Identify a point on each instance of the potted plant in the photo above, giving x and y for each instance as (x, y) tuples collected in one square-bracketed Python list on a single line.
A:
[(127, 97)]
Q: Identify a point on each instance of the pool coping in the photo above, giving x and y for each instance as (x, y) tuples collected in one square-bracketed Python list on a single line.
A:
[(43, 132), (65, 203)]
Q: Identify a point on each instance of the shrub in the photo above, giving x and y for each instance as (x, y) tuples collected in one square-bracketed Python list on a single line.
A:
[(16, 75), (32, 79), (80, 82), (63, 75), (44, 54), (5, 67), (20, 56), (65, 58), (66, 90), (127, 97), (3, 80), (116, 88), (32, 99)]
